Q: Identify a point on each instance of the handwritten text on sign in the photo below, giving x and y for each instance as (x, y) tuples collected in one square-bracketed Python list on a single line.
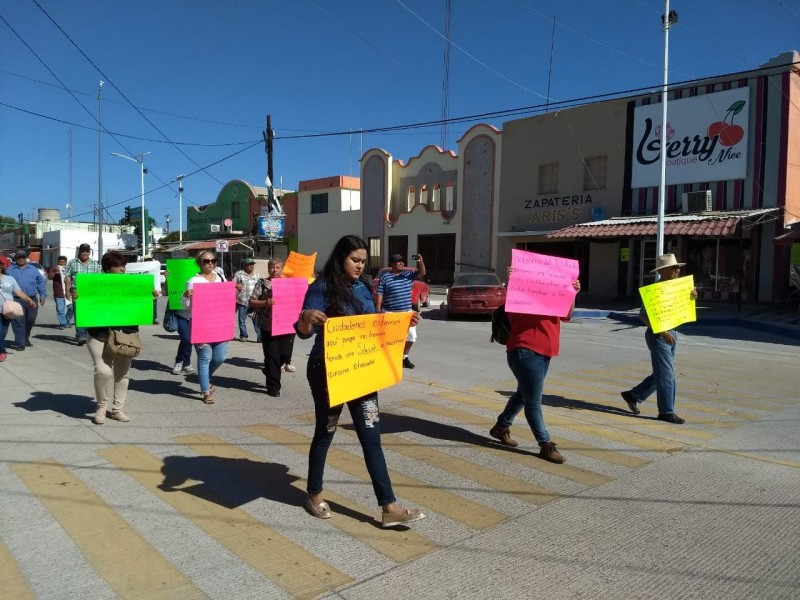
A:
[(669, 303), (541, 284), (300, 265), (180, 271), (213, 312), (113, 299), (364, 354), (288, 295)]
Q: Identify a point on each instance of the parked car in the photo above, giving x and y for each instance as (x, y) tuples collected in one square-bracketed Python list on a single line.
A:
[(475, 294), (420, 292), (38, 267)]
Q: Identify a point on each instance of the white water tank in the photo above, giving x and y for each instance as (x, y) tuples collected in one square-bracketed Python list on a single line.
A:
[(49, 214)]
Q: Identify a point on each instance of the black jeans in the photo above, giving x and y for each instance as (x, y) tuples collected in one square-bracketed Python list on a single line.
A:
[(23, 326), (366, 419), (277, 352)]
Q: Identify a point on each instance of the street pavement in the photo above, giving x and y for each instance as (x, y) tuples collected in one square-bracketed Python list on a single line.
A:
[(196, 501)]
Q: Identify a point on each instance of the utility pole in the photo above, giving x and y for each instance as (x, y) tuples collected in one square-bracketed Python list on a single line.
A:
[(180, 207), (269, 136), (100, 170), (668, 19)]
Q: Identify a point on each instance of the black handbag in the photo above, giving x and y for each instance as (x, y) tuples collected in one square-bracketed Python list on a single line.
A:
[(170, 320)]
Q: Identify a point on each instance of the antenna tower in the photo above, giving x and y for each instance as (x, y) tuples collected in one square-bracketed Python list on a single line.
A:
[(446, 75)]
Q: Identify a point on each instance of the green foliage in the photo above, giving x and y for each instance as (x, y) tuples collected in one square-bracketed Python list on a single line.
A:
[(5, 219), (172, 236)]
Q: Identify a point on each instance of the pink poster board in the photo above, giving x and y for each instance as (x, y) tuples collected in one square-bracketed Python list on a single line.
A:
[(213, 312), (541, 284), (288, 294)]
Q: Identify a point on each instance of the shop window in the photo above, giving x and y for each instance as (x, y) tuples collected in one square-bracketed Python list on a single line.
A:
[(374, 254), (548, 179), (423, 194), (594, 173), (436, 197), (449, 197), (319, 203), (234, 210)]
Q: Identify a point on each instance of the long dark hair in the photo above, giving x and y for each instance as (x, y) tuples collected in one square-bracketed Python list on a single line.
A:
[(339, 286)]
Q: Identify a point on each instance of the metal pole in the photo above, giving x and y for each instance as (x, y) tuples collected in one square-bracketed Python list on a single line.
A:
[(663, 183), (143, 219), (100, 170), (180, 207)]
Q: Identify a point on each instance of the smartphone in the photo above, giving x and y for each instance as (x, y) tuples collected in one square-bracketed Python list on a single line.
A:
[(415, 257)]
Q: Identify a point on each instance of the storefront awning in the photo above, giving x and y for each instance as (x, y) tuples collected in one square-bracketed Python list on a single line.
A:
[(708, 224)]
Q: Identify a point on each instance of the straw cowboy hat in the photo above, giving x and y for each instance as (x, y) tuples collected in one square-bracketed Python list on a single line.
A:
[(665, 261)]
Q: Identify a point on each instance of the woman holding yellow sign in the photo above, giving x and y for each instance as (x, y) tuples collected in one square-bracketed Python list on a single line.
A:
[(340, 292)]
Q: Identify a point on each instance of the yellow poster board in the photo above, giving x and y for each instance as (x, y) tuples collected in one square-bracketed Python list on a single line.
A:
[(300, 265), (669, 303), (364, 354)]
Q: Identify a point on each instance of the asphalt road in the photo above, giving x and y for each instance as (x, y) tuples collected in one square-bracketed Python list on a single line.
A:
[(196, 501)]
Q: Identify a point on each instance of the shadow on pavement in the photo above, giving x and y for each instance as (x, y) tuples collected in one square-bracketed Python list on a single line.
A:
[(69, 405), (561, 401), (63, 338)]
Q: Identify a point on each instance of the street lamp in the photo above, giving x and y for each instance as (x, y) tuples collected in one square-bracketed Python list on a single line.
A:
[(180, 207), (139, 158)]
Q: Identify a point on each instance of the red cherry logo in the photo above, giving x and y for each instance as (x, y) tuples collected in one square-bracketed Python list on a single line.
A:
[(729, 134)]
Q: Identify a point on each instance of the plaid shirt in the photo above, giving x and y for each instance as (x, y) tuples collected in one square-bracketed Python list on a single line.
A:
[(248, 285), (75, 267)]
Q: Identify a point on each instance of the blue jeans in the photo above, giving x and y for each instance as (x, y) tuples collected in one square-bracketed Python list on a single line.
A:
[(241, 314), (4, 323), (184, 355), (662, 379), (530, 370), (63, 312), (209, 358), (365, 414), (23, 326), (81, 333)]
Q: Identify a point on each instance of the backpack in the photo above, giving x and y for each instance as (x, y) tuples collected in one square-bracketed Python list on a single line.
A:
[(501, 328)]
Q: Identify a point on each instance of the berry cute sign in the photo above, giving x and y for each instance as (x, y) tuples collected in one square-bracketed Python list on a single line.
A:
[(706, 139)]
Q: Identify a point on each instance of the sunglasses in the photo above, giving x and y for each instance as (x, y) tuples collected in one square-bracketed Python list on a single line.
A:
[(209, 261)]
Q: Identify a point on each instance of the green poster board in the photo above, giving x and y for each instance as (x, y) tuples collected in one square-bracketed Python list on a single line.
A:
[(795, 254), (180, 271), (113, 299)]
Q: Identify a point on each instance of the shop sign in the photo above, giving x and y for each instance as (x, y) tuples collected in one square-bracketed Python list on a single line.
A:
[(552, 209), (706, 139)]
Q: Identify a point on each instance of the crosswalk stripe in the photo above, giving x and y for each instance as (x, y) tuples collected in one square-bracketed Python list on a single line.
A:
[(576, 474), (524, 433), (571, 390), (613, 387), (289, 566), (420, 492), (490, 478), (130, 566), (400, 546), (14, 585), (625, 436)]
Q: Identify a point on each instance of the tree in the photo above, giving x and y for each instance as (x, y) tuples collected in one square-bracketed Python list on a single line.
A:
[(5, 219), (172, 236)]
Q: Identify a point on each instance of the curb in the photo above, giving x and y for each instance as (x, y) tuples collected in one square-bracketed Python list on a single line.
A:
[(788, 331)]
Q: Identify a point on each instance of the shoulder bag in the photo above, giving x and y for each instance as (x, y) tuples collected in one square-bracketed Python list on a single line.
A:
[(12, 310), (170, 321), (122, 345)]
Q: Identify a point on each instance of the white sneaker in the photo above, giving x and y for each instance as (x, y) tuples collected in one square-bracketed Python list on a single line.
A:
[(187, 369), (176, 370)]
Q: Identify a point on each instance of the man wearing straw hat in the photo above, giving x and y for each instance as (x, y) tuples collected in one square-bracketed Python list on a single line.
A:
[(662, 356)]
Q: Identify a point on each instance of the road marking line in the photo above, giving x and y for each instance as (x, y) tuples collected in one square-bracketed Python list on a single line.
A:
[(418, 491), (283, 562), (523, 432), (14, 584), (576, 474), (122, 557), (398, 545), (637, 440)]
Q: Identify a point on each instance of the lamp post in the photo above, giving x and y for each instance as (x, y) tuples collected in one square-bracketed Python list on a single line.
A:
[(180, 207), (139, 158), (668, 19)]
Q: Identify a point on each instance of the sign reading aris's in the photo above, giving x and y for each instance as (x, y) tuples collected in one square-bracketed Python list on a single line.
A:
[(706, 139)]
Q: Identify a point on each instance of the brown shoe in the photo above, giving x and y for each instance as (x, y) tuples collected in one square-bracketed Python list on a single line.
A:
[(550, 453), (503, 434)]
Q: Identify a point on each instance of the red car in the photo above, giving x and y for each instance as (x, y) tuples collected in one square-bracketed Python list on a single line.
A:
[(475, 294), (420, 292)]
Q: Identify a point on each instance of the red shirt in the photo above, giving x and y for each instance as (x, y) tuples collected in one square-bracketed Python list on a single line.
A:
[(535, 332)]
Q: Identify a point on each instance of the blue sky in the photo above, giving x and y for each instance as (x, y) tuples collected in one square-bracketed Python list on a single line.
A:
[(204, 74)]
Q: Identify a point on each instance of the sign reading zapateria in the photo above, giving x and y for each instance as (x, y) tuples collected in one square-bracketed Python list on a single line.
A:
[(706, 139)]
